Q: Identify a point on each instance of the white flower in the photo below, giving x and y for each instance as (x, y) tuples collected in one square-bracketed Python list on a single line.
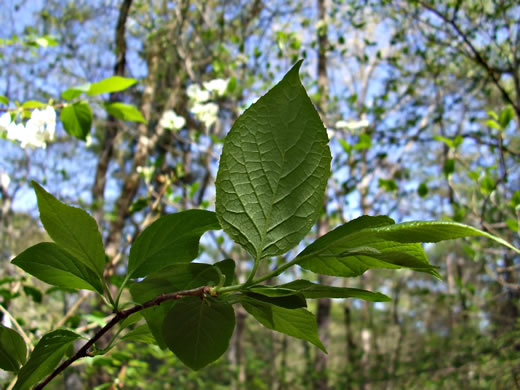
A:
[(4, 181), (217, 86), (170, 120), (37, 131), (146, 173), (5, 121), (206, 113), (197, 94), (353, 125)]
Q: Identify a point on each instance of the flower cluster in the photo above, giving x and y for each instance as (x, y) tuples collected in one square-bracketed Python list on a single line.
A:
[(38, 130), (171, 121), (205, 111)]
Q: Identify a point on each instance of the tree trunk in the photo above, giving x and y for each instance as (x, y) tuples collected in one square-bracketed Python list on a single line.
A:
[(320, 378)]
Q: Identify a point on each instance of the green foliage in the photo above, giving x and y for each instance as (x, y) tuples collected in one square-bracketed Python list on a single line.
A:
[(77, 119), (72, 229), (298, 323), (45, 357), (198, 330), (12, 349), (273, 171), (171, 239), (111, 84), (269, 193), (125, 112), (49, 262)]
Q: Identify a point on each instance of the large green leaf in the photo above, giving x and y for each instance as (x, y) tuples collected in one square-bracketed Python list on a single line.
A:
[(77, 119), (198, 330), (48, 262), (433, 231), (125, 112), (111, 84), (313, 290), (298, 323), (354, 247), (12, 349), (72, 229), (45, 357), (171, 279), (273, 171), (171, 239)]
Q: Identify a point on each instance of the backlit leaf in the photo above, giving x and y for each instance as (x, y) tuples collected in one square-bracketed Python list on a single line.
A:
[(273, 171)]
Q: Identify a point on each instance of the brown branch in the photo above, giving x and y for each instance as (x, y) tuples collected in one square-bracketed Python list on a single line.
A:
[(119, 316)]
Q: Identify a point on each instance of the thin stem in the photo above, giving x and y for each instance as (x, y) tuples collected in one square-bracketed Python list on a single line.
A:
[(118, 317), (253, 273)]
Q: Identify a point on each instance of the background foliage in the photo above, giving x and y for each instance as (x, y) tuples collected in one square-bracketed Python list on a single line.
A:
[(421, 104)]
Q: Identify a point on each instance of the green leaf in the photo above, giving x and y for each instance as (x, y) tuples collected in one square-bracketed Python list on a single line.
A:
[(77, 119), (227, 267), (45, 357), (141, 334), (125, 112), (74, 92), (30, 104), (48, 262), (198, 330), (298, 323), (290, 301), (356, 246), (72, 229), (444, 140), (273, 171), (171, 239), (449, 166), (313, 290), (4, 100), (111, 84), (493, 124), (433, 231), (506, 115), (12, 349), (422, 190), (171, 279)]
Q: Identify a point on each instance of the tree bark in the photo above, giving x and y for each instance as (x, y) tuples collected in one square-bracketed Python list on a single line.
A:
[(320, 378), (98, 190)]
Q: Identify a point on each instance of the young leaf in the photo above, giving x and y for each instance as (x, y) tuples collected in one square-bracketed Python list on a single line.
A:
[(4, 100), (141, 334), (12, 349), (353, 248), (171, 239), (77, 119), (111, 84), (313, 290), (48, 262), (273, 171), (298, 323), (168, 280), (45, 357), (125, 112), (30, 104), (72, 229), (74, 92), (198, 330), (227, 267)]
